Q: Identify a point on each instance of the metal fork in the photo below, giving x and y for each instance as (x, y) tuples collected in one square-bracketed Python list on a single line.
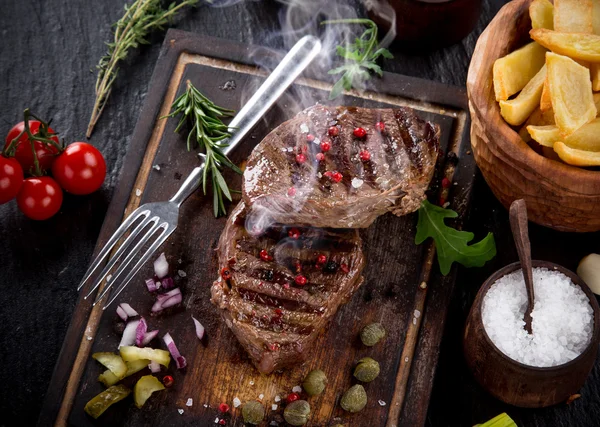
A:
[(162, 217)]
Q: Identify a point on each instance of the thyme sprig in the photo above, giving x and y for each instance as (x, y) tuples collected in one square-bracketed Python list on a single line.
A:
[(207, 132), (360, 57), (141, 17)]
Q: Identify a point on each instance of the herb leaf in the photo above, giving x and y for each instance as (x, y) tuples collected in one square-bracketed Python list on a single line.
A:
[(207, 132), (140, 19), (360, 57), (451, 244)]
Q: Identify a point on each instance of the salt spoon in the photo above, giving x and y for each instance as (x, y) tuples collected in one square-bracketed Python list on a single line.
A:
[(518, 225)]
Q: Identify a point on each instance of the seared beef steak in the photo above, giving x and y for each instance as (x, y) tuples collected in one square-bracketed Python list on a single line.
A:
[(278, 290), (314, 169)]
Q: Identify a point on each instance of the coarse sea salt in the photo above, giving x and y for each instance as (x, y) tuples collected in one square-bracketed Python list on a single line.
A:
[(562, 318)]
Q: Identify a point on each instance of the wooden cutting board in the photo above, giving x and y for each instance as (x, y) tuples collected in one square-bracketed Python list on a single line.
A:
[(403, 288)]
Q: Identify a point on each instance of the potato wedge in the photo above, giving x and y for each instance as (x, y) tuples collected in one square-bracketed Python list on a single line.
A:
[(537, 118), (595, 72), (516, 111), (576, 157), (541, 13), (597, 102), (571, 92), (586, 138), (544, 135), (575, 45), (573, 16), (513, 72), (545, 100)]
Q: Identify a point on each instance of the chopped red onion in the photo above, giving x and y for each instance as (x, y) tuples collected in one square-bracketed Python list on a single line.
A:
[(140, 332), (125, 311), (121, 313), (179, 359), (154, 366), (167, 300), (167, 282), (161, 266), (151, 285), (129, 333), (199, 328), (149, 336)]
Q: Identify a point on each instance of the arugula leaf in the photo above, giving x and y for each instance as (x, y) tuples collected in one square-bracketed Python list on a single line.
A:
[(360, 57), (451, 244)]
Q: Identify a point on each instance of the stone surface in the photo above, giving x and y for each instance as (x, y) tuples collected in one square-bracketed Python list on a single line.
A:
[(48, 53)]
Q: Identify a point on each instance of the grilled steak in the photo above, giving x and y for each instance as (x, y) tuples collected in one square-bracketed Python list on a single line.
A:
[(315, 169), (261, 293)]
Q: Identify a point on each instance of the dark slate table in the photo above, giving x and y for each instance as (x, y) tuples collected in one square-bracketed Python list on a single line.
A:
[(47, 55)]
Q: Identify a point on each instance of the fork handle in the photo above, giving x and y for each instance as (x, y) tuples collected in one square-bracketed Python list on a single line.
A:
[(191, 184), (290, 67)]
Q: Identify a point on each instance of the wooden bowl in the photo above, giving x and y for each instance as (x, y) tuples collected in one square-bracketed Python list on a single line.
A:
[(516, 383), (559, 196)]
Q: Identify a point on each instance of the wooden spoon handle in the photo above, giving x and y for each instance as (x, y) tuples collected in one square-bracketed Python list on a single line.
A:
[(518, 224)]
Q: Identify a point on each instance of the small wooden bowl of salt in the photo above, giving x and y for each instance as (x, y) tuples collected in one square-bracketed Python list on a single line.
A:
[(550, 364)]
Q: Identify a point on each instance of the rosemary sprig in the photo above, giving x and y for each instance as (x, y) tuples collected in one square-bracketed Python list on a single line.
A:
[(360, 55), (207, 132), (140, 18)]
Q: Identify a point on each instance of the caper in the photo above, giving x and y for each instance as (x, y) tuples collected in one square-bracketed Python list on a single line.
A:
[(315, 382), (253, 412), (355, 399), (297, 412), (372, 334), (366, 370)]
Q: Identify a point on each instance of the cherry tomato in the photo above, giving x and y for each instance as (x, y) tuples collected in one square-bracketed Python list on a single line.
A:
[(11, 178), (40, 197), (80, 169), (46, 153)]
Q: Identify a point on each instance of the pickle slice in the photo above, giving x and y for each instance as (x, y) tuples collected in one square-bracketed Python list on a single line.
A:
[(131, 353), (108, 378), (144, 388), (100, 403), (113, 362)]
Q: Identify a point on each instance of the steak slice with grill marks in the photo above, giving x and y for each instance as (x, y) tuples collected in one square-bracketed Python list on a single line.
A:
[(286, 180), (275, 319)]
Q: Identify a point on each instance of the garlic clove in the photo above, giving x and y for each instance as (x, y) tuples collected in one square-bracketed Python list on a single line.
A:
[(589, 271)]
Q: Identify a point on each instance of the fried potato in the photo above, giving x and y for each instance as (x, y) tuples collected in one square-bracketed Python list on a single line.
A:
[(586, 138), (541, 13), (575, 45), (576, 157), (571, 92), (573, 16), (512, 72), (595, 70), (545, 100), (537, 118), (597, 102), (517, 110), (544, 135)]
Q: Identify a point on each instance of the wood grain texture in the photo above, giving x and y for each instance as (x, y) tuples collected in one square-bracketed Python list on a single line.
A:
[(514, 382), (558, 195), (223, 358)]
